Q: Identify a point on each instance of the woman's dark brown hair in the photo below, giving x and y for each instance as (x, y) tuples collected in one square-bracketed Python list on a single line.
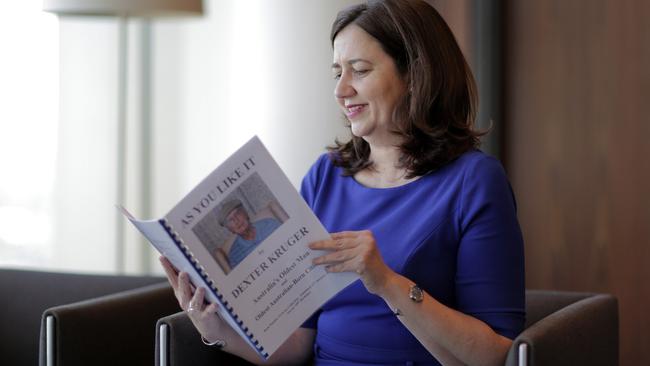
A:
[(435, 117)]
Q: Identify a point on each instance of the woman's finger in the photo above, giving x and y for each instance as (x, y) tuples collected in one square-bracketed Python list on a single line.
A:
[(335, 257), (349, 266), (212, 308), (333, 244), (323, 245), (344, 235), (170, 272), (184, 290), (196, 303)]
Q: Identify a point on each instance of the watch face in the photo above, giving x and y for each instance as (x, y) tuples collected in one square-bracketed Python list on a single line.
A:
[(415, 293)]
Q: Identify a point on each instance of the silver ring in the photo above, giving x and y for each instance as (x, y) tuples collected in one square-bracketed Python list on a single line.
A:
[(190, 309)]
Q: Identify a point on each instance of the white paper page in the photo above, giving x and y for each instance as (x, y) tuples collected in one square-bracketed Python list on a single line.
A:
[(275, 288)]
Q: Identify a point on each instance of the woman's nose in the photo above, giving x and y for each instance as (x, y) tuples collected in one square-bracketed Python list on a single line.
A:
[(343, 88)]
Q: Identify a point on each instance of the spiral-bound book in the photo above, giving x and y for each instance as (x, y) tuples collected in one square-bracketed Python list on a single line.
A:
[(242, 233)]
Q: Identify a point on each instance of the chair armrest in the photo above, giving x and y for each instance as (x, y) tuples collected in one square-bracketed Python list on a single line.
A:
[(179, 343), (106, 330), (27, 293), (583, 333)]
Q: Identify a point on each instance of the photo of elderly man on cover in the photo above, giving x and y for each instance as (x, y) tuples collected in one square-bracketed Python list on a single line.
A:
[(243, 220)]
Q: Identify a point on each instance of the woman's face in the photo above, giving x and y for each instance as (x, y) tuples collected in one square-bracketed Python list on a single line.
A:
[(368, 85)]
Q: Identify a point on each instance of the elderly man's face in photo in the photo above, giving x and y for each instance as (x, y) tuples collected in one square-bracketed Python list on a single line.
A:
[(237, 221)]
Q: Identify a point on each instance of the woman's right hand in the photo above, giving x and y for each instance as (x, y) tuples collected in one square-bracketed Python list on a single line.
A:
[(203, 316), (295, 351)]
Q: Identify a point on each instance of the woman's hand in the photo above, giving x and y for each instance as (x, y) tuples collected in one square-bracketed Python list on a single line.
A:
[(204, 317), (355, 251)]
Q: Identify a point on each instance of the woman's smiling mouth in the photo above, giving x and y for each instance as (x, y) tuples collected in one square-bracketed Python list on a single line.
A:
[(352, 110)]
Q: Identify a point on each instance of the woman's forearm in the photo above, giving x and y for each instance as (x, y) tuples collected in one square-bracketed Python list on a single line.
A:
[(452, 337)]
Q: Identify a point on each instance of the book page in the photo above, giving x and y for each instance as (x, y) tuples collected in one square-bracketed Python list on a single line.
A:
[(249, 228)]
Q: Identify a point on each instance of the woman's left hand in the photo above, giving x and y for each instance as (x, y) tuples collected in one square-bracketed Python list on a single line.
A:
[(355, 251)]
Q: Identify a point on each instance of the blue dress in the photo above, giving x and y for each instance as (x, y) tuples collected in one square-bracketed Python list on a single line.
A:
[(454, 232)]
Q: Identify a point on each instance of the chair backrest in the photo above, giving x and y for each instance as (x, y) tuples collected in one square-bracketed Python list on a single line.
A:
[(26, 294), (102, 331), (567, 328), (542, 303)]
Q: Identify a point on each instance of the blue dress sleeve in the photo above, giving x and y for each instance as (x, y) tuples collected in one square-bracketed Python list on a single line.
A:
[(490, 264)]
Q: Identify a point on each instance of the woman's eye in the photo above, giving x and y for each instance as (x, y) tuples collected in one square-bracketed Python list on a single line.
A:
[(361, 72)]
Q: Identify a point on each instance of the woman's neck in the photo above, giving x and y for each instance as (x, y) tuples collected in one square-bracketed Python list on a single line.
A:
[(385, 171)]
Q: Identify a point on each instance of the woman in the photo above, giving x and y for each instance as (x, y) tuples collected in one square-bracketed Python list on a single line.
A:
[(426, 220)]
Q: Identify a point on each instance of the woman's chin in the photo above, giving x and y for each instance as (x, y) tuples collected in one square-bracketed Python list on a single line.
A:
[(358, 129)]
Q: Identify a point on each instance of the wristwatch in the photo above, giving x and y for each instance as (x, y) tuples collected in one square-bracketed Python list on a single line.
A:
[(415, 293)]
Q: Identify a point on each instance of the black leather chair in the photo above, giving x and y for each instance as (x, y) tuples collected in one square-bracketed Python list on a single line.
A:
[(80, 328), (179, 343), (562, 328), (567, 328)]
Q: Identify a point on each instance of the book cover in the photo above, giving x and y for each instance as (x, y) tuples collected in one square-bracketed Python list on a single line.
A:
[(243, 233)]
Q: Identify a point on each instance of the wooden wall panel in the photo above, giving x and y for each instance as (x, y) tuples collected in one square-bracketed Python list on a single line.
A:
[(458, 15), (577, 150)]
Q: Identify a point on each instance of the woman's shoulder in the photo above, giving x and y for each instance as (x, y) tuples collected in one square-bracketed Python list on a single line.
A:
[(475, 157), (475, 163), (476, 171), (324, 160), (483, 179), (317, 176), (323, 164)]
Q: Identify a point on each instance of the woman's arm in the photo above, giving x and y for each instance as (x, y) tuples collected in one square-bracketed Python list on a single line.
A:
[(452, 337), (295, 351)]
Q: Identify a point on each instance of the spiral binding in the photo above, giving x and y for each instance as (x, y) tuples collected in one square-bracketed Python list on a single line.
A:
[(201, 270)]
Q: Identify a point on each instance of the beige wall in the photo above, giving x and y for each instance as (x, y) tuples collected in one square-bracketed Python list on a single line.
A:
[(578, 87)]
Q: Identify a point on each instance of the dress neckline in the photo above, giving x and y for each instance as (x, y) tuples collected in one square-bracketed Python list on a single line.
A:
[(397, 188)]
